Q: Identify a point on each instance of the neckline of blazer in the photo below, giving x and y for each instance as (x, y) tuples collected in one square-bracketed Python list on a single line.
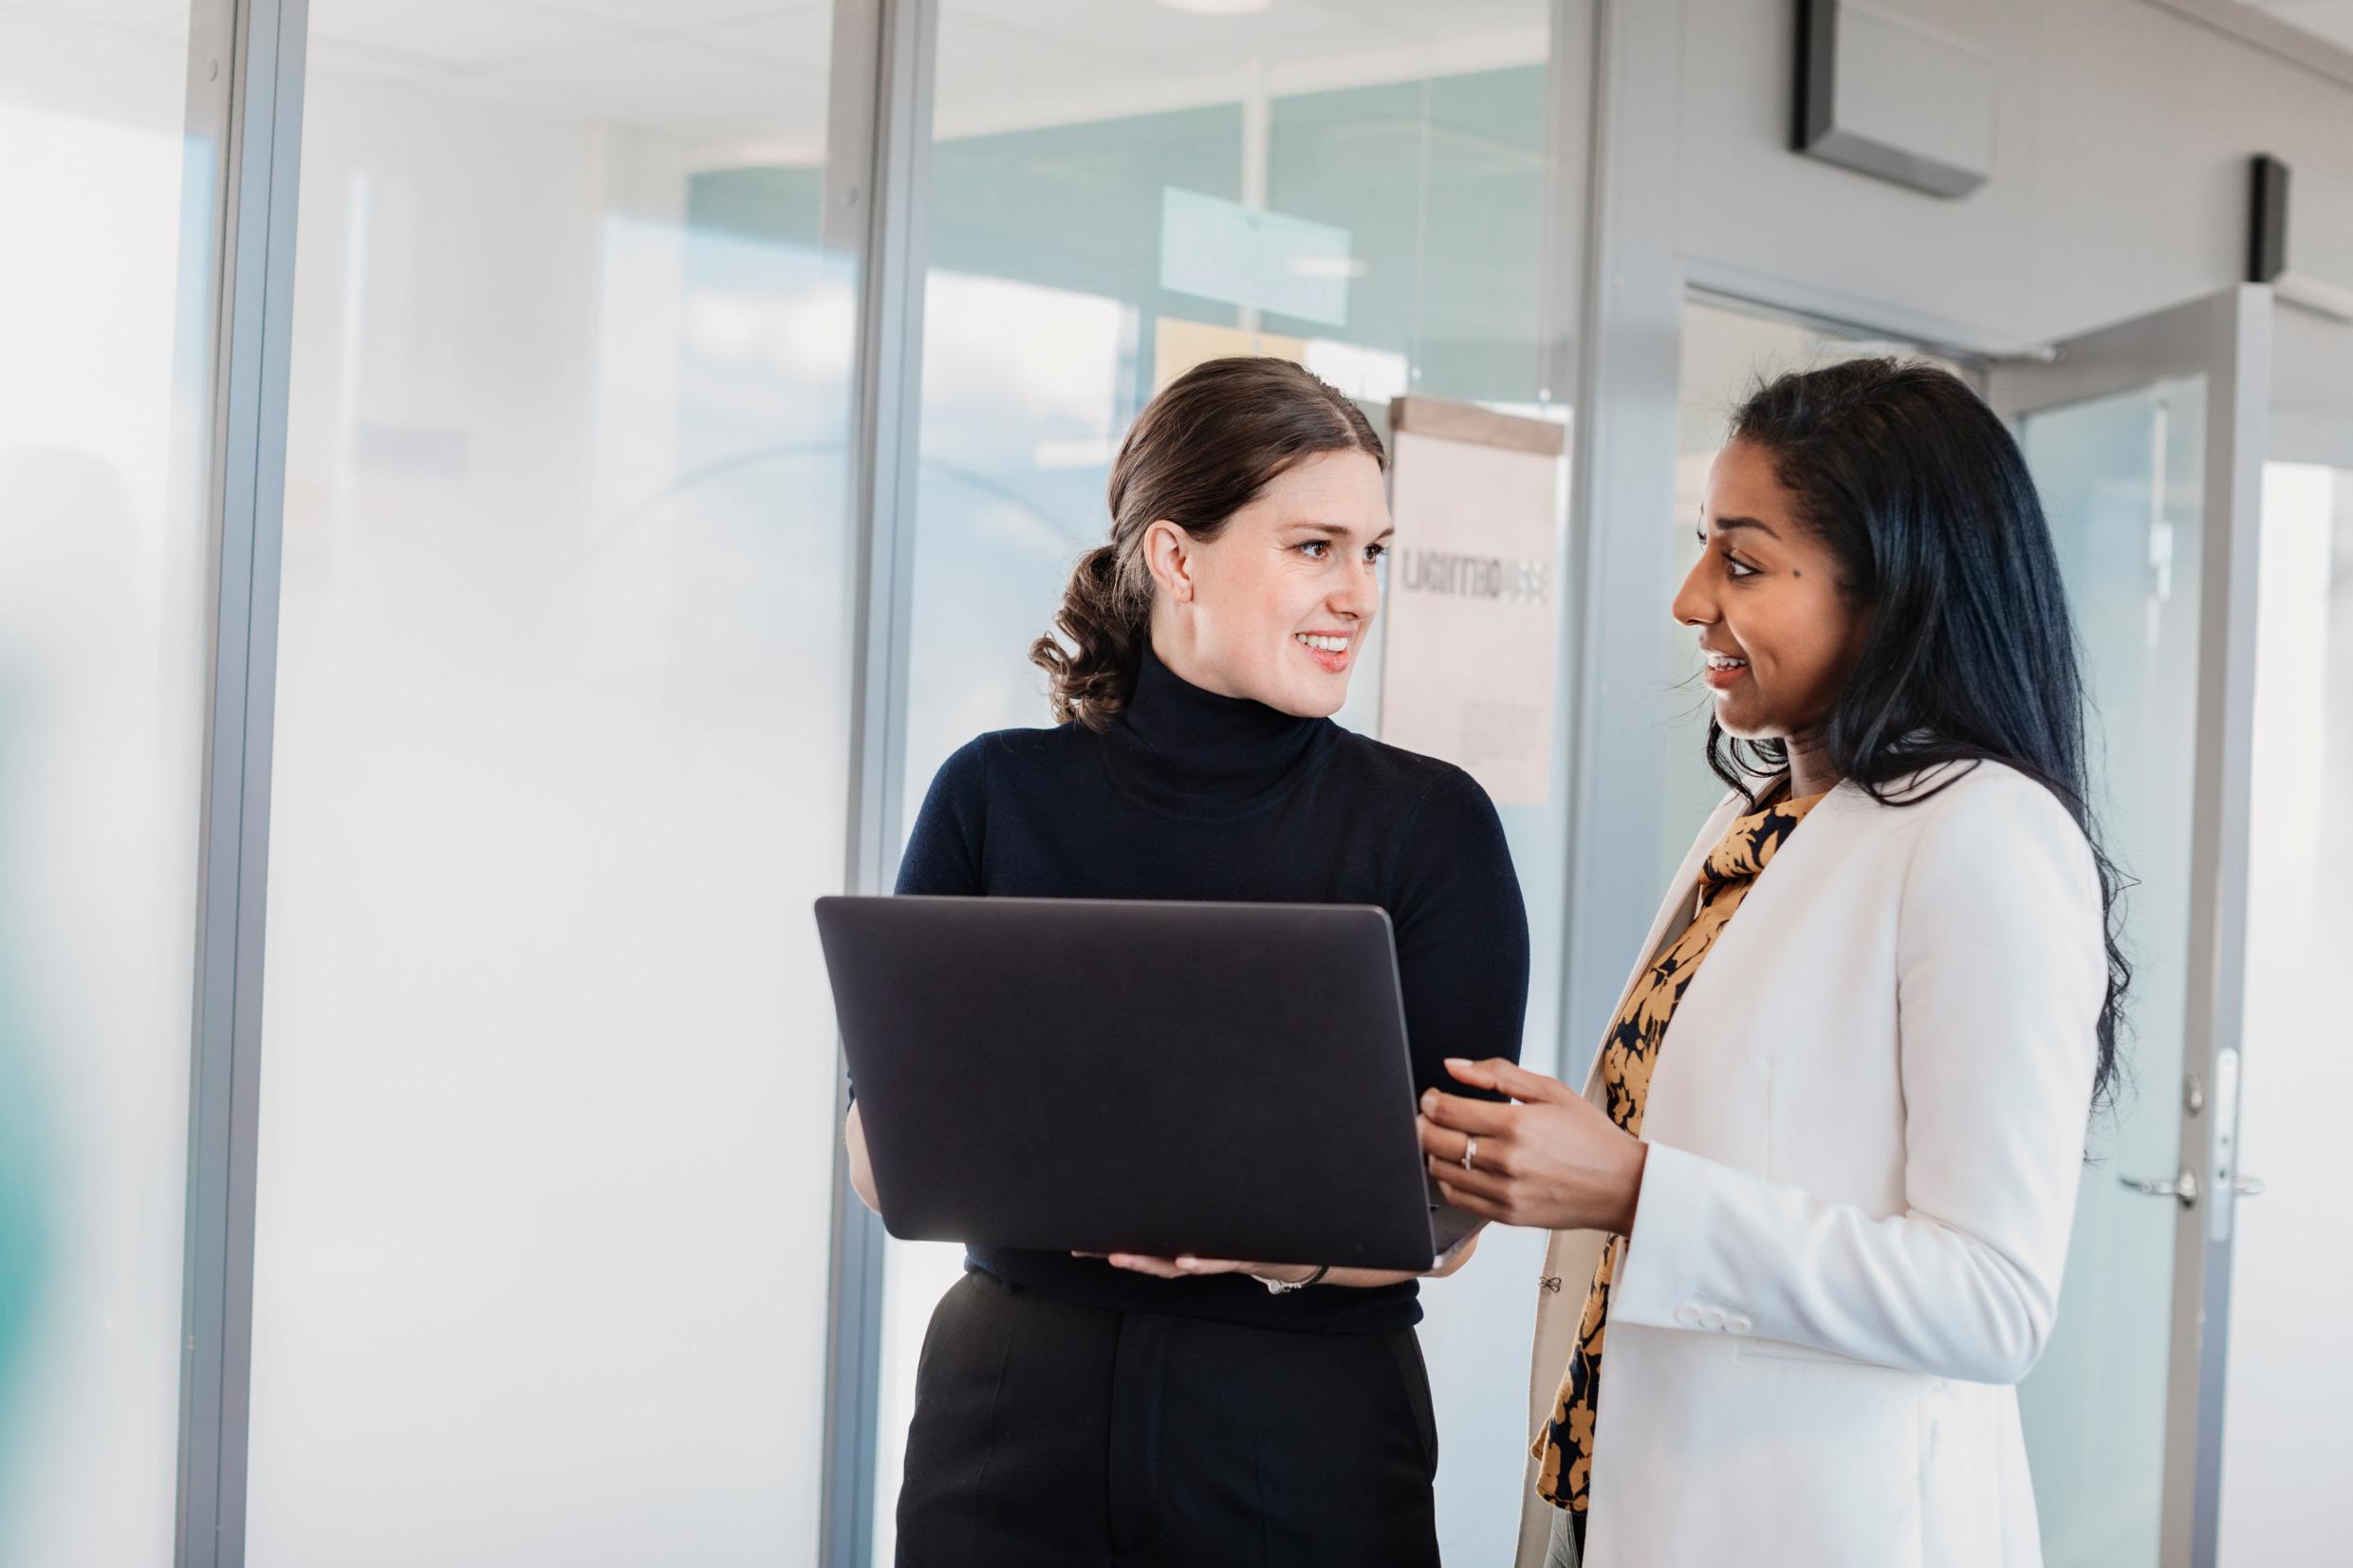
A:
[(1839, 802)]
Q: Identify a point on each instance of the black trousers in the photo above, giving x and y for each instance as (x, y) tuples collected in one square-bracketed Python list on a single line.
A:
[(1048, 1436)]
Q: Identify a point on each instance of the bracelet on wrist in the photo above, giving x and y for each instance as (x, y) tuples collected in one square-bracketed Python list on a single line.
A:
[(1284, 1288)]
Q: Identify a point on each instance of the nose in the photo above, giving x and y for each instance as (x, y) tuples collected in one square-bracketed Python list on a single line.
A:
[(1694, 603), (1358, 598)]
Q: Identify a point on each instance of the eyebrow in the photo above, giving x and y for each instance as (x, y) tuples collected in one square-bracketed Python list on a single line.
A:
[(1725, 525), (1337, 530)]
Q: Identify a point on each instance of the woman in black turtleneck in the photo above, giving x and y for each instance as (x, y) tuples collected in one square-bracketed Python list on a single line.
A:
[(1141, 1411)]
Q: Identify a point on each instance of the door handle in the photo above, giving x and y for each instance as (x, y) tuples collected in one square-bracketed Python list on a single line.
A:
[(2183, 1187)]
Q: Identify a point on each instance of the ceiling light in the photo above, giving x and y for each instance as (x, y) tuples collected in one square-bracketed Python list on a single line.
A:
[(1218, 7)]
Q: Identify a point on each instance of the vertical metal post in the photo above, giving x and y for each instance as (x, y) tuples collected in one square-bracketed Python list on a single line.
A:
[(1623, 487), (879, 158), (1569, 90), (2238, 402), (255, 50)]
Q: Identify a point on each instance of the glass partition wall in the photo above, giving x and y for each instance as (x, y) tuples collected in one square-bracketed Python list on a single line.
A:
[(1119, 190), (557, 693), (564, 710), (565, 664), (110, 173), (547, 1130), (548, 1071)]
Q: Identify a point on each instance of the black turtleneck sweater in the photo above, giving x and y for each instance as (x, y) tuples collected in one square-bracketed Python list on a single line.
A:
[(1189, 795)]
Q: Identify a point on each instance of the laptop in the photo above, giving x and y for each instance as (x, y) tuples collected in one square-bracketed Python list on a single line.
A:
[(1224, 1080)]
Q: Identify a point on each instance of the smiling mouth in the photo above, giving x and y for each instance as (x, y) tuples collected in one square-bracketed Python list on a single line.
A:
[(1331, 651)]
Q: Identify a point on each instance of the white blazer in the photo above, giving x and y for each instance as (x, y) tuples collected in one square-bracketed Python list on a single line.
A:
[(1865, 1126)]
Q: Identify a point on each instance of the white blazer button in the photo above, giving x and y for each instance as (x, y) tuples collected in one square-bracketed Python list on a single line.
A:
[(1687, 1314), (1712, 1318), (1737, 1324)]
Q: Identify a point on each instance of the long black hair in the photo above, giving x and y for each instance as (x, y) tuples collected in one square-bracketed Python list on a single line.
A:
[(1925, 504)]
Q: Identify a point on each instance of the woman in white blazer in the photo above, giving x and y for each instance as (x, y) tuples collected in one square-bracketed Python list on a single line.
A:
[(1784, 1323)]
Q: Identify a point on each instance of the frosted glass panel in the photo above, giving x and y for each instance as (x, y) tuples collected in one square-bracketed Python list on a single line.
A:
[(105, 307), (104, 314), (1057, 303), (548, 1070), (2121, 479)]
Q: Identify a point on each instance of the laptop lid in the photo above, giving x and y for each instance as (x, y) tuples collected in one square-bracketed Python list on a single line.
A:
[(1224, 1080)]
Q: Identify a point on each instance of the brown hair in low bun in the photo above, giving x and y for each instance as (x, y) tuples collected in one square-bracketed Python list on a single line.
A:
[(1200, 451)]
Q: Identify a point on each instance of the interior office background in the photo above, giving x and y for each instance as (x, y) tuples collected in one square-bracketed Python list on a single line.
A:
[(683, 417)]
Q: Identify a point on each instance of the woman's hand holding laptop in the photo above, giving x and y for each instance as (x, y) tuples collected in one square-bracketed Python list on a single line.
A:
[(1290, 1273), (1554, 1160)]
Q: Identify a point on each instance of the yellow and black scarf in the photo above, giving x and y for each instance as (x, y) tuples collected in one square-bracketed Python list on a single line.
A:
[(1629, 1052)]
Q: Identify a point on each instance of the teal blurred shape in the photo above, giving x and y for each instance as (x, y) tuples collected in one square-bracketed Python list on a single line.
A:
[(27, 1194)]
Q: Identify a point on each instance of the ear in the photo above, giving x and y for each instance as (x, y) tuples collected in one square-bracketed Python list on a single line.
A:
[(1168, 551)]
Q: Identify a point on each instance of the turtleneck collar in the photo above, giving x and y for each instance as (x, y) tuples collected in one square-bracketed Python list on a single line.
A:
[(1193, 753)]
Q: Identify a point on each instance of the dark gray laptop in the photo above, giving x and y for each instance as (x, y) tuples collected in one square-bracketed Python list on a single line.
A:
[(1228, 1081)]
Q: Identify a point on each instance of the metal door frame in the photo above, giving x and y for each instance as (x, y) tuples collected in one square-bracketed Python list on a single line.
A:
[(245, 77)]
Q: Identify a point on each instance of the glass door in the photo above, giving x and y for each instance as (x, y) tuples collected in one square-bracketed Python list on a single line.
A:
[(2145, 440)]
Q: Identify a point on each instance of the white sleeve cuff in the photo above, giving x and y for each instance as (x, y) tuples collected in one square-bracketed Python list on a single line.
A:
[(1672, 1275)]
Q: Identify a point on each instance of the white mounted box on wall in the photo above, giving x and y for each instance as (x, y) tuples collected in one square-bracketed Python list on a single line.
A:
[(1890, 96)]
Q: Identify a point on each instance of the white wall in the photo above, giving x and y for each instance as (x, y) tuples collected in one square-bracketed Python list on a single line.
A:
[(2119, 181), (2311, 389)]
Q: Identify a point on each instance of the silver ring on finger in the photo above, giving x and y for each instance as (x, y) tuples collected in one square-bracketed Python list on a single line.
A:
[(1469, 1152)]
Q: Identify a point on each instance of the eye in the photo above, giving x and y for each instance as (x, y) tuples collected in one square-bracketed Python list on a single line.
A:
[(1736, 568), (1314, 549), (1374, 554)]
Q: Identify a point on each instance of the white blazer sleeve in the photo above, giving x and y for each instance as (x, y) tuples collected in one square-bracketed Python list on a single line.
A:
[(2001, 974)]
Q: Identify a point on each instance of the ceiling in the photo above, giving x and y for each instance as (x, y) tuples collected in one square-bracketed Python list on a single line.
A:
[(756, 71)]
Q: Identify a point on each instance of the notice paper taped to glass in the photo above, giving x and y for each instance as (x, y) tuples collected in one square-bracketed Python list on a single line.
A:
[(1471, 646)]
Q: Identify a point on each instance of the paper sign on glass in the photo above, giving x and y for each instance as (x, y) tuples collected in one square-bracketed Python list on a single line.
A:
[(1474, 598)]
